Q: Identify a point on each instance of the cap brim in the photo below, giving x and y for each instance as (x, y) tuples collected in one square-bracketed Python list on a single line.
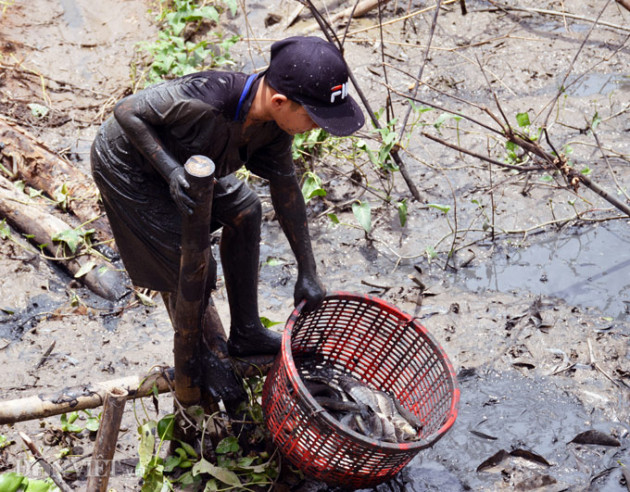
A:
[(341, 120)]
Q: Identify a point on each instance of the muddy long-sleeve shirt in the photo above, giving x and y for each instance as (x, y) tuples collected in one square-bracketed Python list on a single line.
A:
[(192, 115)]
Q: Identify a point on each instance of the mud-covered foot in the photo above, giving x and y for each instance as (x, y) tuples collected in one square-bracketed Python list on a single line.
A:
[(253, 340)]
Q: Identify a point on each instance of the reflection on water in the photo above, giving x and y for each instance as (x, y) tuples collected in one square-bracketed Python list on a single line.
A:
[(585, 266)]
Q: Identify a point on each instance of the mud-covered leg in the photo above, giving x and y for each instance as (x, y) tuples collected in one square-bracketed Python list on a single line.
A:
[(240, 248)]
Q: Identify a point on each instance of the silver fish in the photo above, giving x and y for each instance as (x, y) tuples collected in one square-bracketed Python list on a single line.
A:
[(394, 426)]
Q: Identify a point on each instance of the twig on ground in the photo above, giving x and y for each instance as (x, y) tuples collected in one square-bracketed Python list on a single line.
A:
[(48, 468)]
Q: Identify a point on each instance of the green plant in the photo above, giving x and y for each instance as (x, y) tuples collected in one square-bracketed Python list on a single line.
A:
[(68, 420), (14, 482), (363, 213), (173, 53), (234, 469), (312, 186)]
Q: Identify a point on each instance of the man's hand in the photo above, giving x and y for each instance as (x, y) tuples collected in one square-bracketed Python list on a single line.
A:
[(311, 289), (177, 184)]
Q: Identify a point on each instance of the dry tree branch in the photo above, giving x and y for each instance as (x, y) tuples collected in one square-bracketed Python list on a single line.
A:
[(330, 33), (507, 8), (571, 65)]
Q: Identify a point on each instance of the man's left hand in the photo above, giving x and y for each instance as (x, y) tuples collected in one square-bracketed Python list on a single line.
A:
[(310, 288)]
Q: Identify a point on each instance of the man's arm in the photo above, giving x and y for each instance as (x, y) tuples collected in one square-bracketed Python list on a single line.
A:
[(138, 115), (289, 205)]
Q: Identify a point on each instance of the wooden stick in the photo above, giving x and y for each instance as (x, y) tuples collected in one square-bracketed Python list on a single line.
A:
[(48, 468), (82, 397), (93, 395), (106, 438)]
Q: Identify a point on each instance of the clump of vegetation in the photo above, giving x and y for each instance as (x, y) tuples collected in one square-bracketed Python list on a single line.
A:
[(178, 51)]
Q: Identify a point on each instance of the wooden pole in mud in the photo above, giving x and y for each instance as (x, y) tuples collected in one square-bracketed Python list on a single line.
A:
[(191, 298), (106, 439)]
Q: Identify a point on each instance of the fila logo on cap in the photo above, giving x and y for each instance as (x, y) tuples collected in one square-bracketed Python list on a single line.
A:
[(339, 90)]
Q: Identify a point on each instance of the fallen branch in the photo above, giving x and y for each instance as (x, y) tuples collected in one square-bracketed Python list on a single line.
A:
[(83, 397), (360, 9), (33, 163), (160, 380), (48, 468), (28, 216)]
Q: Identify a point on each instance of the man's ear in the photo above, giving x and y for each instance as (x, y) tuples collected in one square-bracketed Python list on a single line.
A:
[(277, 100)]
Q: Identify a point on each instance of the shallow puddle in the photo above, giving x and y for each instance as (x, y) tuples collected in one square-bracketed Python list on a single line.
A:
[(585, 266)]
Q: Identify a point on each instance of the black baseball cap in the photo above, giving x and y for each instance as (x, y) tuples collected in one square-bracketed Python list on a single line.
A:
[(313, 73)]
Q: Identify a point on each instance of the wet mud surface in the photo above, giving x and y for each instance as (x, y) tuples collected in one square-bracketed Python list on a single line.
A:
[(536, 322)]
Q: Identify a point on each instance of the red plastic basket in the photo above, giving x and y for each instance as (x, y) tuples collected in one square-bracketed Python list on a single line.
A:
[(383, 347)]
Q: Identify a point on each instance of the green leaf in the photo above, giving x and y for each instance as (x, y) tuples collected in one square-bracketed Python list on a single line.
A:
[(595, 121), (5, 230), (147, 443), (85, 269), (40, 486), (443, 118), (92, 424), (190, 451), (402, 212), (333, 218), (273, 261), (38, 110), (312, 186), (211, 486), (441, 208), (227, 445), (586, 171), (165, 427), (363, 213), (144, 299), (71, 237), (267, 323), (223, 474), (11, 482), (522, 119)]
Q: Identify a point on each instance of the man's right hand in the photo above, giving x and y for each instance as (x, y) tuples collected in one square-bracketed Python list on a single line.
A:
[(177, 184)]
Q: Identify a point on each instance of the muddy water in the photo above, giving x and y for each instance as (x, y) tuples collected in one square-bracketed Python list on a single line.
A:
[(586, 266)]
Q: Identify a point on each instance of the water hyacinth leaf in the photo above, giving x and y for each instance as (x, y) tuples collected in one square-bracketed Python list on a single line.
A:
[(522, 119), (223, 474), (363, 213)]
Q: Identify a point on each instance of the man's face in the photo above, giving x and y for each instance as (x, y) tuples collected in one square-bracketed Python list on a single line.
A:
[(293, 118)]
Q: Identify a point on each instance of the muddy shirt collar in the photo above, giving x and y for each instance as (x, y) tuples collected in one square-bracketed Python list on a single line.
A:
[(244, 93)]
